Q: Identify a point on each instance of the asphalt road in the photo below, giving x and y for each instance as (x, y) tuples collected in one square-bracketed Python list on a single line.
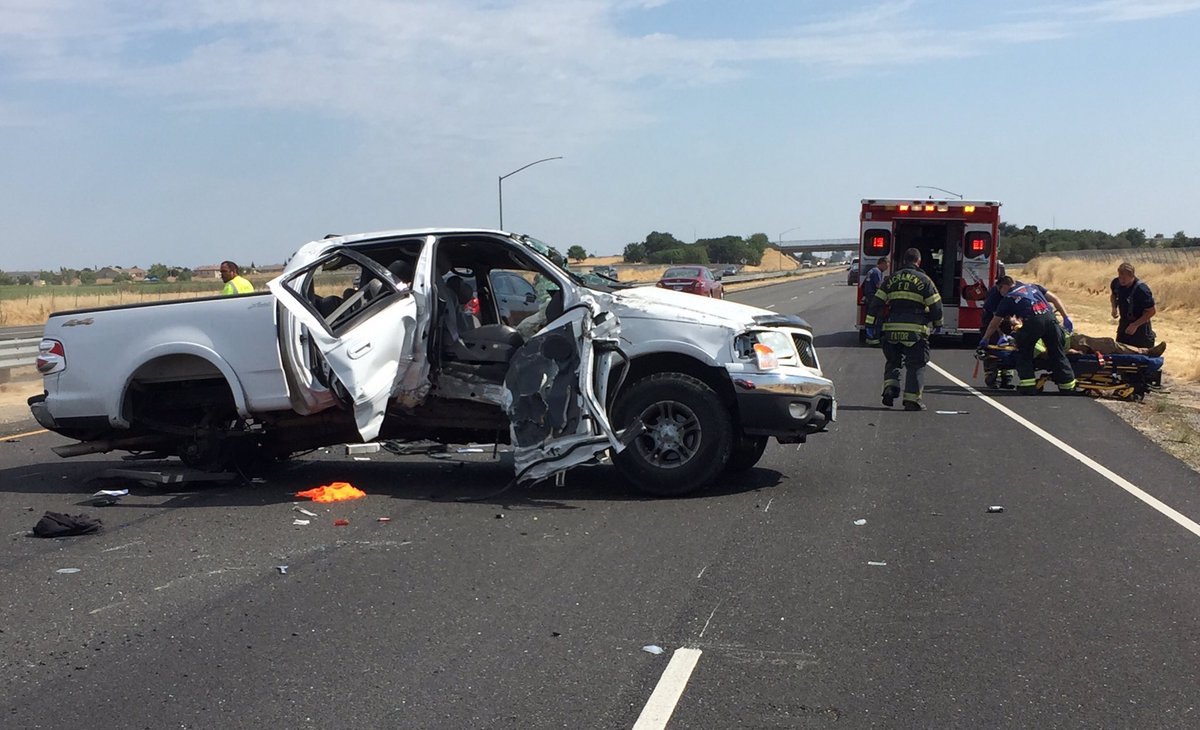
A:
[(1074, 607)]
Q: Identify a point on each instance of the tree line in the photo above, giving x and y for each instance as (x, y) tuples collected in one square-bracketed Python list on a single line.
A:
[(89, 276), (1020, 244), (663, 248)]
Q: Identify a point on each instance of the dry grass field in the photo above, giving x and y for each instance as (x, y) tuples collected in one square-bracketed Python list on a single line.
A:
[(1170, 417), (1083, 287), (645, 273), (37, 308)]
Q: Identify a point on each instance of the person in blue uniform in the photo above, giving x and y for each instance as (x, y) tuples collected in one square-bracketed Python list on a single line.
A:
[(871, 285), (1133, 305), (1029, 304)]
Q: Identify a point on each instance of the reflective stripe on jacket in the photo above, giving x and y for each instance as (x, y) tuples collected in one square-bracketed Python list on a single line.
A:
[(913, 303)]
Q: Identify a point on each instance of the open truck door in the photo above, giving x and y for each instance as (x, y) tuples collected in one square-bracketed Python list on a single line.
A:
[(350, 334), (555, 392)]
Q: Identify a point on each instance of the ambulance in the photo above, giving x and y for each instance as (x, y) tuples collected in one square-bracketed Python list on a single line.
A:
[(959, 245)]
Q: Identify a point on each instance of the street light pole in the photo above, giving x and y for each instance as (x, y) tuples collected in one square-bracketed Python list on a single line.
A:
[(500, 184), (779, 243), (949, 192)]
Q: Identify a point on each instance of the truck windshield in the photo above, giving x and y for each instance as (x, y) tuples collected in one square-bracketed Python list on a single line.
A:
[(553, 255)]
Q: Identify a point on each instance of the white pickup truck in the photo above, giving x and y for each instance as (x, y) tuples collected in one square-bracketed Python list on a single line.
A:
[(444, 335)]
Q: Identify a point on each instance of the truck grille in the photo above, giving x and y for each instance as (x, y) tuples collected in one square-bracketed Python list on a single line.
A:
[(808, 353)]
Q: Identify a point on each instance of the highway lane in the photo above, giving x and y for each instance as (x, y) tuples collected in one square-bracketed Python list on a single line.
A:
[(1071, 608)]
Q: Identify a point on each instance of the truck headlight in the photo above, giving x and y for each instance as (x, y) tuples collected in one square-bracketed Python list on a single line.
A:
[(767, 359), (768, 348)]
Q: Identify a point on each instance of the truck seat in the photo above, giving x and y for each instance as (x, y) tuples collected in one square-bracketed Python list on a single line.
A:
[(489, 343)]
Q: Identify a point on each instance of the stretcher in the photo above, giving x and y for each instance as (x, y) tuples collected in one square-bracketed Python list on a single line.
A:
[(1127, 377)]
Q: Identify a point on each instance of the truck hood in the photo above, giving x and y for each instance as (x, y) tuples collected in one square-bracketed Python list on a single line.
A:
[(654, 303)]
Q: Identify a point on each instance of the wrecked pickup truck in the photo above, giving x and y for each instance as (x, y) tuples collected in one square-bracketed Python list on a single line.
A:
[(443, 335)]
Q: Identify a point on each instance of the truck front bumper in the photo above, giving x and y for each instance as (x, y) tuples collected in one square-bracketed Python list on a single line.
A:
[(788, 406)]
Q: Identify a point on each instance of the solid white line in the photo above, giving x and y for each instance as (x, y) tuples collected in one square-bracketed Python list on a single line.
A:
[(1100, 469), (666, 695)]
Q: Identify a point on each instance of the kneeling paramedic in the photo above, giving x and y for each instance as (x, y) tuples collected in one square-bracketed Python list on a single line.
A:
[(914, 306), (1029, 304)]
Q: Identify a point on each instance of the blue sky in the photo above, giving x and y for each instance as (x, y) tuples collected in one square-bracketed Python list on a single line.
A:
[(138, 131)]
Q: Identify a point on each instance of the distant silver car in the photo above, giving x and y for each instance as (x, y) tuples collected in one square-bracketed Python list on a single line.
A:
[(515, 297)]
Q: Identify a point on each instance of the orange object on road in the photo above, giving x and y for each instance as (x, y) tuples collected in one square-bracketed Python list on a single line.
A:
[(334, 492)]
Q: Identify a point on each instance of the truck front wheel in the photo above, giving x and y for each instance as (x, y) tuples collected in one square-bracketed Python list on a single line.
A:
[(688, 435)]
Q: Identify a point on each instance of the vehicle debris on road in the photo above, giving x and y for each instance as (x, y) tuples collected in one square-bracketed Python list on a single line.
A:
[(995, 508), (59, 524), (333, 492), (106, 497), (653, 649)]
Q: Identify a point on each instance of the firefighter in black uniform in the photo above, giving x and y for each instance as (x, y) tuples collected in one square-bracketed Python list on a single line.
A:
[(914, 310), (1030, 304)]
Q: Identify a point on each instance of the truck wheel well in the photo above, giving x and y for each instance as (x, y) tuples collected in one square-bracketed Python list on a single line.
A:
[(673, 362), (176, 368), (177, 383)]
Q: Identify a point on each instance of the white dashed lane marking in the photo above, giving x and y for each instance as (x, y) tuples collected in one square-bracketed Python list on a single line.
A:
[(666, 695), (1087, 461)]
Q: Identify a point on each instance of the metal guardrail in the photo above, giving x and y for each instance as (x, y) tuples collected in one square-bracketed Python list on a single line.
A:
[(785, 274), (17, 353)]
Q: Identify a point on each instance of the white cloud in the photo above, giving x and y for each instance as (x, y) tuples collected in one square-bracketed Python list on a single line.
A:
[(528, 67), (1133, 10)]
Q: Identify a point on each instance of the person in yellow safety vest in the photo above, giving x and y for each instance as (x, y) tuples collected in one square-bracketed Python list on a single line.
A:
[(914, 309), (235, 283)]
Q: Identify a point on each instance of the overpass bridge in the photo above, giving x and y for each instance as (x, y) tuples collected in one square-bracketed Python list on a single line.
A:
[(794, 248)]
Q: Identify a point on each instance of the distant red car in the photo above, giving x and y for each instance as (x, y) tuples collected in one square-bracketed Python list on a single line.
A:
[(692, 279)]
